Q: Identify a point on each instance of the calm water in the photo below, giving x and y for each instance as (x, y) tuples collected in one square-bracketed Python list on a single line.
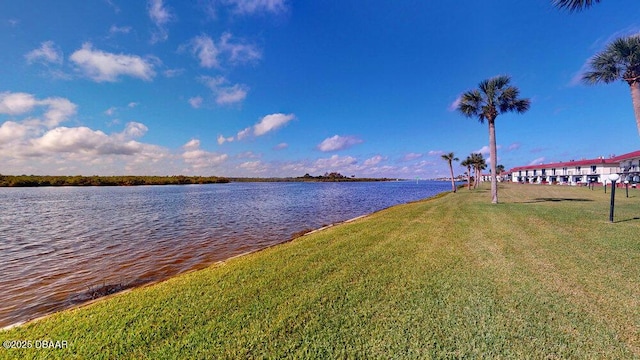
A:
[(58, 245)]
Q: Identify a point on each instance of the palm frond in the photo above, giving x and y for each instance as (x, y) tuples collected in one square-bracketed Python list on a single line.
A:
[(574, 5), (619, 61)]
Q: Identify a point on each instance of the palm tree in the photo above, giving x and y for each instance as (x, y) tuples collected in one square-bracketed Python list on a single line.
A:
[(468, 163), (619, 61), (574, 5), (493, 97), (479, 164), (450, 157)]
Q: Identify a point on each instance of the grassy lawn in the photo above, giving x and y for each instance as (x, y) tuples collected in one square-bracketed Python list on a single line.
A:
[(542, 275)]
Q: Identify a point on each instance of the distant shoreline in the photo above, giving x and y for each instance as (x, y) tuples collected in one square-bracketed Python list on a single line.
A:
[(60, 181)]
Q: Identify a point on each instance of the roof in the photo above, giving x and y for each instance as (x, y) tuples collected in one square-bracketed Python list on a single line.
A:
[(612, 161)]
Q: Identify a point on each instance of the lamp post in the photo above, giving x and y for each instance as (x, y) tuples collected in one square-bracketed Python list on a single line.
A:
[(626, 185), (613, 178)]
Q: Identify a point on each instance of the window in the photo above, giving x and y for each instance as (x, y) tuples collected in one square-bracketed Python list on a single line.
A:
[(593, 168)]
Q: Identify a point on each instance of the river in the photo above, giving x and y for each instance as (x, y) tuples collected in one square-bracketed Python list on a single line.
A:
[(61, 246)]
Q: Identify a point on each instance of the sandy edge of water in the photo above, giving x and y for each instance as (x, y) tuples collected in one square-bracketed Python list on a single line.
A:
[(217, 263)]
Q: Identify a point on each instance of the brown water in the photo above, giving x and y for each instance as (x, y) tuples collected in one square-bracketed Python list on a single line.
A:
[(63, 246)]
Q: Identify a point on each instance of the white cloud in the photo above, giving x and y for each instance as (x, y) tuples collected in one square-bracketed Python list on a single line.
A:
[(195, 102), (435, 152), (11, 131), (84, 140), (411, 156), (58, 109), (255, 167), (514, 146), (454, 105), (257, 6), (238, 52), (234, 52), (224, 94), (206, 51), (335, 163), (485, 150), (222, 139), (46, 53), (102, 66), (374, 160), (172, 72), (337, 142), (281, 146), (134, 130), (119, 29), (267, 124), (16, 103), (110, 111), (201, 159), (192, 144), (132, 104), (160, 16), (271, 122), (537, 161), (242, 134), (231, 95)]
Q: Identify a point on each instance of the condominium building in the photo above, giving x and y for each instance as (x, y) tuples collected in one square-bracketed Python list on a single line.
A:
[(581, 171)]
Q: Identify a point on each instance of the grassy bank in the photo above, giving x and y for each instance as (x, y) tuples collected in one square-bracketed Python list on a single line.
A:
[(542, 275)]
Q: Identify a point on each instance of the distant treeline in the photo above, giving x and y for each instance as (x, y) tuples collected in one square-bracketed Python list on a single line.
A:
[(36, 180), (327, 177)]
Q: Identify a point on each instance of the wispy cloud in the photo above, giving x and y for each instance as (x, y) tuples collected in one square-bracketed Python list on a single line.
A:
[(537, 161), (454, 105), (411, 156), (195, 102), (257, 6), (211, 54), (514, 146), (48, 52), (160, 16), (337, 142), (435, 152), (225, 94)]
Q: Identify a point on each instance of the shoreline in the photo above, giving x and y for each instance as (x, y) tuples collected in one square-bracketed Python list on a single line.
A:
[(214, 264)]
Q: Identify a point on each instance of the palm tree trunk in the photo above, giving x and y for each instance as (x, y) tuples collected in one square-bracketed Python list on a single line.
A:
[(453, 183), (493, 155), (635, 98), (469, 178), (476, 181)]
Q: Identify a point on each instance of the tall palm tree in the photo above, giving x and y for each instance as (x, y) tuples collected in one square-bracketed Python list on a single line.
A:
[(468, 164), (450, 158), (574, 5), (493, 97), (619, 61)]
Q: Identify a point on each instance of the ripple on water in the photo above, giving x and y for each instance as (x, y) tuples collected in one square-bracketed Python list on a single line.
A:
[(63, 246)]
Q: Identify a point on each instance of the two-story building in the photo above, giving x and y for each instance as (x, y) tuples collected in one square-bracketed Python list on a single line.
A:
[(581, 171)]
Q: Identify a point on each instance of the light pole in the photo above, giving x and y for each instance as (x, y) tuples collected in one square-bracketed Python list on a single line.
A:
[(626, 185), (613, 178)]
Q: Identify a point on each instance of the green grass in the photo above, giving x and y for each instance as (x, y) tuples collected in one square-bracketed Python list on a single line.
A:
[(543, 275)]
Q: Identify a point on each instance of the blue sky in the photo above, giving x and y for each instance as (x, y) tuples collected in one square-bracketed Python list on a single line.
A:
[(284, 88)]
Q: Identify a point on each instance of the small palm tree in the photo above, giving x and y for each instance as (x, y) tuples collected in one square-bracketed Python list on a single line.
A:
[(493, 97), (479, 164), (619, 61), (574, 5), (468, 163), (450, 158)]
